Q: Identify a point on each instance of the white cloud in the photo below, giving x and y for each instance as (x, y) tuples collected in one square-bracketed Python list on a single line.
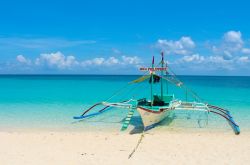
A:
[(244, 59), (233, 37), (246, 51), (233, 41), (187, 42), (57, 60), (195, 58), (111, 61), (98, 61), (231, 45), (60, 61), (182, 46), (23, 60), (131, 60), (213, 62)]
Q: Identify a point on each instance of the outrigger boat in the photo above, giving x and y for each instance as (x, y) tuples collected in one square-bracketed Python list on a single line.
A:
[(154, 110)]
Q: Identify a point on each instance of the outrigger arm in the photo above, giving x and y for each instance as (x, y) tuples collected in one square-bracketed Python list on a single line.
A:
[(123, 104), (225, 114)]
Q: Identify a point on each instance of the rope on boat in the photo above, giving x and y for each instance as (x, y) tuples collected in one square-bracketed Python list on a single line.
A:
[(137, 145), (130, 91), (123, 88), (117, 92), (182, 85)]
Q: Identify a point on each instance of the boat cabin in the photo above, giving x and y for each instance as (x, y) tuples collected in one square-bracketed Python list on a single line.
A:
[(157, 101)]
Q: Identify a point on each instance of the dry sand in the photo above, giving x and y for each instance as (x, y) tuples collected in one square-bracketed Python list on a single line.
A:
[(157, 147)]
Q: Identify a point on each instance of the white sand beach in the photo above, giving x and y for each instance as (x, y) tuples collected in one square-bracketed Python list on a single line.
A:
[(73, 148)]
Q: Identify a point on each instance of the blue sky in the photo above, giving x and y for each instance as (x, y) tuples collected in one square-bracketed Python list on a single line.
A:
[(112, 37)]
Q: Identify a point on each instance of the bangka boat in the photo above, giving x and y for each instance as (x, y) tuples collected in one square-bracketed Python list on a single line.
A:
[(154, 110)]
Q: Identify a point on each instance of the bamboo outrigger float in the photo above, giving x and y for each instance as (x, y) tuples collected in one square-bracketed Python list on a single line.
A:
[(157, 108)]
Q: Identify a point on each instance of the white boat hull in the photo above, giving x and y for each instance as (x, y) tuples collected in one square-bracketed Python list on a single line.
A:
[(150, 118)]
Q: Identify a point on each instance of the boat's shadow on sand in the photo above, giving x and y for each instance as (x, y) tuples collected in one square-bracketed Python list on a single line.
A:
[(136, 121)]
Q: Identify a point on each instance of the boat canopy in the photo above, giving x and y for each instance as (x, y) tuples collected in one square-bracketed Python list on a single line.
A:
[(141, 79)]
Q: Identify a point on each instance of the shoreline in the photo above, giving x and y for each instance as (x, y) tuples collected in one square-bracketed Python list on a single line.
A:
[(221, 129), (130, 130)]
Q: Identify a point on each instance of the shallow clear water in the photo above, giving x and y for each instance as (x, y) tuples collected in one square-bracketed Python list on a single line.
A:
[(50, 102)]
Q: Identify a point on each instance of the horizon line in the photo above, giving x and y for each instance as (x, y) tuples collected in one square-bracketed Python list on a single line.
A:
[(59, 74)]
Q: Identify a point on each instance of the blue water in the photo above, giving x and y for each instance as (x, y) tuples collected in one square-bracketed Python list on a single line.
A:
[(48, 102)]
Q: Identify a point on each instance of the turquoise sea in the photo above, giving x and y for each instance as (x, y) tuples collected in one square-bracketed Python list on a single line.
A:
[(49, 102)]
